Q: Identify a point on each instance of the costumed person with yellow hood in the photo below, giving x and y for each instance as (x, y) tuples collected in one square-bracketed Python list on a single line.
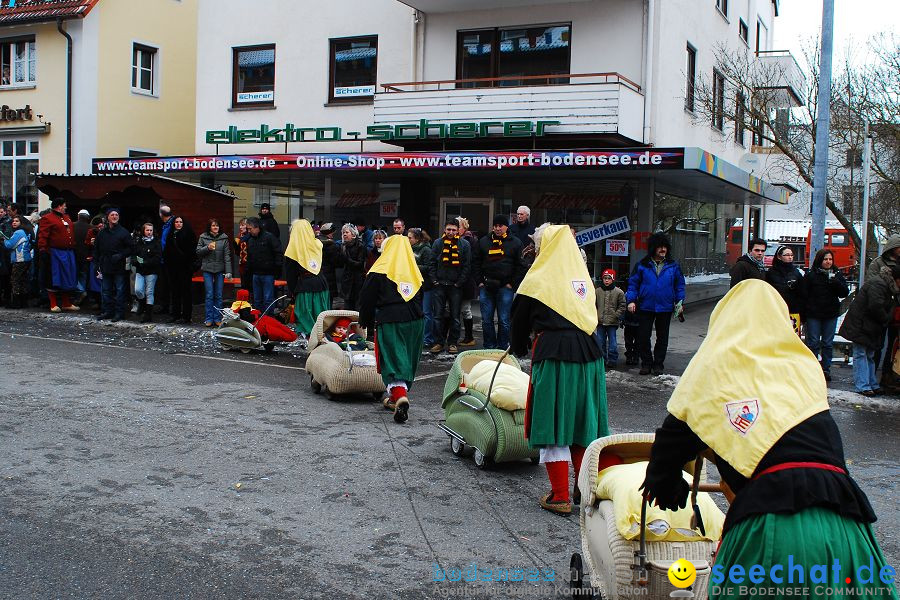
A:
[(756, 397), (566, 408), (308, 288), (391, 302)]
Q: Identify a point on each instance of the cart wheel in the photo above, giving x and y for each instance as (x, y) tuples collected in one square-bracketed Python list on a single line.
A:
[(535, 460), (328, 394), (245, 350), (576, 578), (481, 461), (314, 385), (269, 347), (457, 447), (378, 396)]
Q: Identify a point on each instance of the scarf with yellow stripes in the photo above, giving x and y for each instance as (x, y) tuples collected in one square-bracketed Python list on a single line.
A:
[(450, 254), (496, 251)]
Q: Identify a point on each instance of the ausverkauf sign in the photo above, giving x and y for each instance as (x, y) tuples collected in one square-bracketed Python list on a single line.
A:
[(638, 159), (602, 231)]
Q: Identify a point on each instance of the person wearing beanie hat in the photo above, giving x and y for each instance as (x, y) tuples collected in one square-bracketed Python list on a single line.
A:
[(341, 334), (610, 308), (498, 269), (655, 292), (56, 256), (80, 228), (267, 220)]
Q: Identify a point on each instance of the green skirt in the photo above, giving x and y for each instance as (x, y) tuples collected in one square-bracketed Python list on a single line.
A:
[(398, 347), (813, 536), (566, 403), (307, 306)]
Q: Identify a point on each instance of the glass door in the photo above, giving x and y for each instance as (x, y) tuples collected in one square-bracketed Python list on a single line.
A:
[(478, 211)]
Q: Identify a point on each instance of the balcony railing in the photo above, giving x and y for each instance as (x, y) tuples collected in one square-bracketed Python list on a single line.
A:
[(779, 70), (512, 81), (569, 103)]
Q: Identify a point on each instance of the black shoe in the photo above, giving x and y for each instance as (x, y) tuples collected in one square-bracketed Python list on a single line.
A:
[(656, 370), (827, 376), (576, 493), (104, 317), (631, 361), (645, 371), (116, 318), (610, 366), (182, 321)]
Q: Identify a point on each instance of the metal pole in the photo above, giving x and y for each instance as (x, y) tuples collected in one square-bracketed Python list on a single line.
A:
[(823, 125), (867, 153)]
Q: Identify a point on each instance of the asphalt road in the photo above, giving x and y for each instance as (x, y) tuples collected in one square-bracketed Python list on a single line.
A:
[(145, 463)]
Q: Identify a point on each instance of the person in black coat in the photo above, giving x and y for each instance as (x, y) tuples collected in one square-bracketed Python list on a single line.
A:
[(823, 288), (750, 265), (331, 258), (865, 324), (179, 256), (787, 280), (263, 263), (147, 261), (113, 245), (268, 222), (497, 269), (353, 256)]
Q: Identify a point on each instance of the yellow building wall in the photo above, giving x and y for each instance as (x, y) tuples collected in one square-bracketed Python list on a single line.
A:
[(47, 98), (166, 122)]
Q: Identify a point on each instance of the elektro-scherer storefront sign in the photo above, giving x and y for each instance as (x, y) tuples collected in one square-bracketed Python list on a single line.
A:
[(634, 159), (422, 130)]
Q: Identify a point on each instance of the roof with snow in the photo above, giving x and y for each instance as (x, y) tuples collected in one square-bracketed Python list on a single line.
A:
[(17, 12)]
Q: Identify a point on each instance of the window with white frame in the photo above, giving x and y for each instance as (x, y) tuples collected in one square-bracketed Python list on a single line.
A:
[(144, 69), (722, 6), (18, 62), (19, 161), (718, 100)]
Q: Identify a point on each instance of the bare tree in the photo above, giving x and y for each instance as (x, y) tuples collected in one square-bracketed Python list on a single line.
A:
[(759, 100)]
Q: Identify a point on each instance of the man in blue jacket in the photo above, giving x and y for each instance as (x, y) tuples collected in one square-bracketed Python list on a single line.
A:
[(655, 292)]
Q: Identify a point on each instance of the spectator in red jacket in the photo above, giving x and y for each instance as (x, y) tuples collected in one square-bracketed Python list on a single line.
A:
[(56, 248)]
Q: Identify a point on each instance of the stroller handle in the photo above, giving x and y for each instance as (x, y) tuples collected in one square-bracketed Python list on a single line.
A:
[(494, 376)]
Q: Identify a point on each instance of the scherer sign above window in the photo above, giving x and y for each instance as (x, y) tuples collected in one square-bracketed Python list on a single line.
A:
[(672, 158), (422, 130)]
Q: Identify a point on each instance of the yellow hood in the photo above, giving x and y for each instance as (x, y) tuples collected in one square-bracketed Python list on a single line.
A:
[(560, 279), (303, 247), (398, 263), (752, 379)]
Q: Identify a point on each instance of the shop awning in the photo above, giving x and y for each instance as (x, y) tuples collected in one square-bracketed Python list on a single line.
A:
[(691, 173)]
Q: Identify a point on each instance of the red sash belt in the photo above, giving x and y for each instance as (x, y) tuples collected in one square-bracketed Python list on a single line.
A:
[(800, 465)]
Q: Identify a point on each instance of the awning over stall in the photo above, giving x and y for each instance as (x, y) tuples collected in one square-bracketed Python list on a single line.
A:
[(138, 196)]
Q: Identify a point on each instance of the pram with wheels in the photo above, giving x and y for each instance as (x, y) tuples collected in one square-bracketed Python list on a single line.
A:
[(632, 568), (334, 371), (474, 422)]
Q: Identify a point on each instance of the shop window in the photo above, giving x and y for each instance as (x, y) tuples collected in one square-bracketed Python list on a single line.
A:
[(718, 100), (19, 162), (254, 76), (144, 69), (354, 69), (514, 52), (691, 75), (17, 63)]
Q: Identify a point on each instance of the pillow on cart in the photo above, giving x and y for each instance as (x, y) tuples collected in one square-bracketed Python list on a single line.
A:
[(620, 484), (510, 390)]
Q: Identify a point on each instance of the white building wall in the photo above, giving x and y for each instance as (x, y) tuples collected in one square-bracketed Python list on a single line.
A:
[(607, 35), (85, 36), (681, 22), (301, 30)]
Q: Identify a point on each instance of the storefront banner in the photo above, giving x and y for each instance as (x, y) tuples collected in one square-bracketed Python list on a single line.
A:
[(617, 247), (417, 161), (602, 231)]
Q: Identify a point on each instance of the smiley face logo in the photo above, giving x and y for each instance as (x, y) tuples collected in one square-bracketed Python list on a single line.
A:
[(682, 573)]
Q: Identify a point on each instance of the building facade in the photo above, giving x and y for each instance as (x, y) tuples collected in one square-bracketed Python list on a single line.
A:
[(88, 78), (431, 108)]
